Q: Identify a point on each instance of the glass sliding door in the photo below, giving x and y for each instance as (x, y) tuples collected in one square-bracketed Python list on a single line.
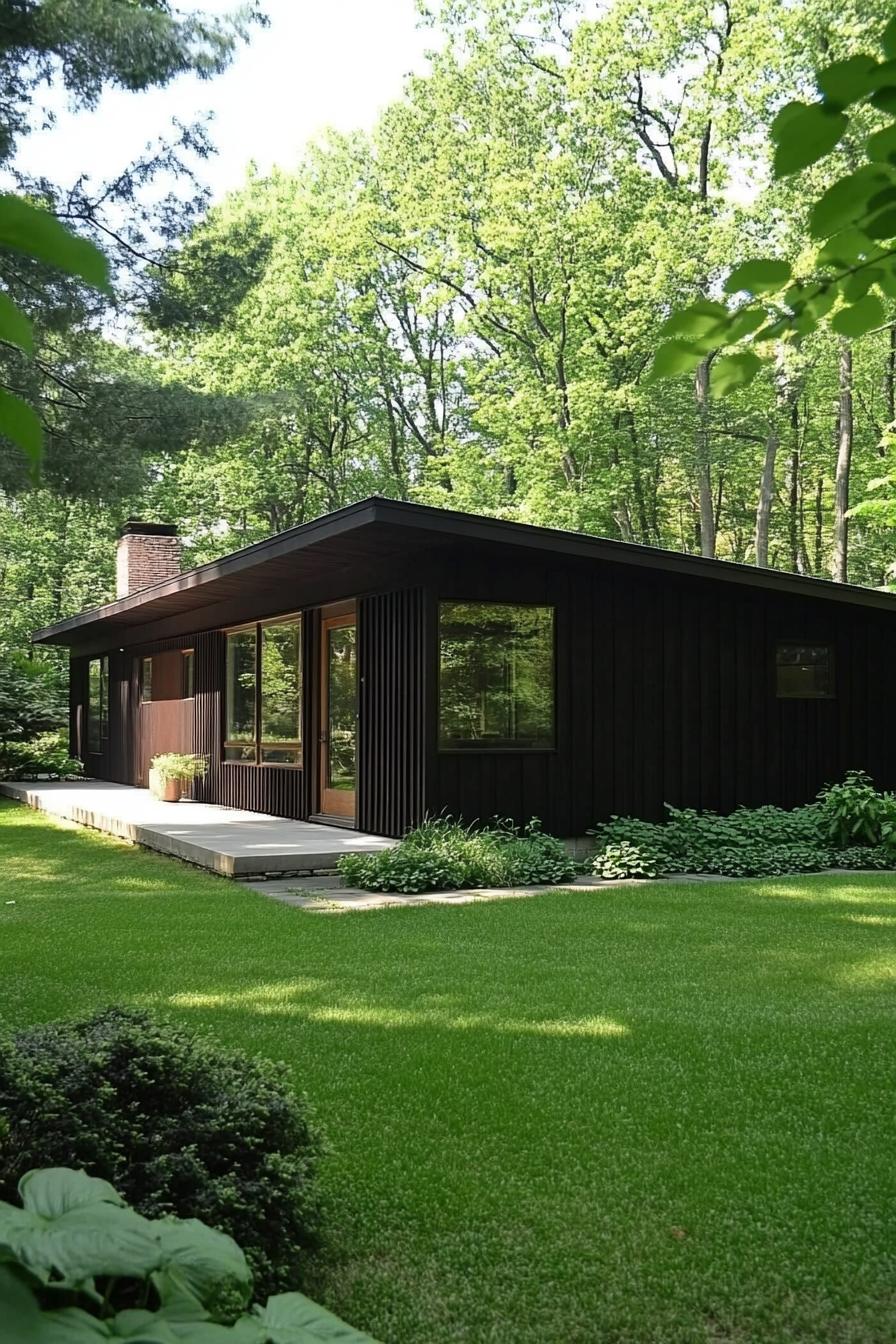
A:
[(338, 715)]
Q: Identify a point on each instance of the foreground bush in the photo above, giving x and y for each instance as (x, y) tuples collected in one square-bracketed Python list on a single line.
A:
[(76, 1264), (46, 754), (851, 825), (445, 855), (177, 1124)]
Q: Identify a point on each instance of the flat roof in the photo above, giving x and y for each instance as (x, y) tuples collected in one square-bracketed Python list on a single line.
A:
[(360, 532)]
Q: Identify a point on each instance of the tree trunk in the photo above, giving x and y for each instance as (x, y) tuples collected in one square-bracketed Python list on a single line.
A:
[(766, 496), (704, 474), (840, 565), (890, 380), (819, 525)]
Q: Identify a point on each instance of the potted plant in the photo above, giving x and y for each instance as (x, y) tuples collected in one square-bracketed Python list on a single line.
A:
[(169, 773)]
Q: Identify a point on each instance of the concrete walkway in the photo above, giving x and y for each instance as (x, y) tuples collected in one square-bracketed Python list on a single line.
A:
[(327, 895), (225, 839)]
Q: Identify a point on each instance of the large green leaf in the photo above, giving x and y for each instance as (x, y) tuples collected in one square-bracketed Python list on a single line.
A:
[(292, 1318), (81, 1243), (52, 1191), (762, 276), (888, 40), (672, 358), (35, 232), (201, 1261), (804, 133), (20, 1318), (20, 423), (844, 82), (846, 200), (15, 327), (733, 371), (881, 147), (697, 320), (73, 1326), (860, 317), (846, 248)]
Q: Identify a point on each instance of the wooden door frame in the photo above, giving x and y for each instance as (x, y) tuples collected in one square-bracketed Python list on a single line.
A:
[(334, 617)]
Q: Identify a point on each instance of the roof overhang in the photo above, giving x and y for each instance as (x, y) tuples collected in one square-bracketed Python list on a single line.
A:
[(377, 527)]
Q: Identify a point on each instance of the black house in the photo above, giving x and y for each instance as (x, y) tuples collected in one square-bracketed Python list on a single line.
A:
[(391, 660)]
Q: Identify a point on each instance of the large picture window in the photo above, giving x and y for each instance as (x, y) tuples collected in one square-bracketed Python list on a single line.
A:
[(97, 704), (496, 676), (263, 695)]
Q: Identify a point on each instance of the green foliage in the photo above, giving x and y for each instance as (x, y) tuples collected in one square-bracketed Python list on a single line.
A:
[(26, 229), (626, 859), (46, 754), (853, 222), (444, 855), (854, 813), (850, 826), (750, 842), (92, 1269), (179, 765), (33, 698), (175, 1123)]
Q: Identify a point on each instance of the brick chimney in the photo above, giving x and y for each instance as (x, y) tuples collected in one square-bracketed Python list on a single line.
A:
[(147, 553)]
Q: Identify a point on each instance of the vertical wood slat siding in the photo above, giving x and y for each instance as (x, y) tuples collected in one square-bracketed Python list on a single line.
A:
[(391, 711), (666, 694)]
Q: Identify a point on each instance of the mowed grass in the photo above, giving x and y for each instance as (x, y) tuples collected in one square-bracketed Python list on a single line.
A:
[(657, 1113)]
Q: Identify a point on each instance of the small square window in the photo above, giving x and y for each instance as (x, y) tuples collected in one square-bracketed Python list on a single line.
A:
[(805, 672)]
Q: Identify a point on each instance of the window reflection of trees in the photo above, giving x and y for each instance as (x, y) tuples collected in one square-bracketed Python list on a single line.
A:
[(341, 708), (496, 675)]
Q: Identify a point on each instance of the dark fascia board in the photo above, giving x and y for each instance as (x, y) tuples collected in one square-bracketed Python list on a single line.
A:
[(475, 527), (450, 525)]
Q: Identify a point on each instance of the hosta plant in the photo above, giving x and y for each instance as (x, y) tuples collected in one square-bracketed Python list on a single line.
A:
[(78, 1265)]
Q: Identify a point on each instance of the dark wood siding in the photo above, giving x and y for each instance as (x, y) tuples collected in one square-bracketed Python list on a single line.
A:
[(665, 694), (391, 711)]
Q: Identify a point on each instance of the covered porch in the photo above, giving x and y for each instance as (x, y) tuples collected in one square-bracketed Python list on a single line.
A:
[(227, 840)]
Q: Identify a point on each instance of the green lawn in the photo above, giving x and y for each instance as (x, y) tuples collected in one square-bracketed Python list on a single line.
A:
[(643, 1114)]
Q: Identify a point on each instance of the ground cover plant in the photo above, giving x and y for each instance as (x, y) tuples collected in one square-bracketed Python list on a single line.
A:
[(77, 1264), (658, 1114), (443, 854), (178, 1124), (850, 825)]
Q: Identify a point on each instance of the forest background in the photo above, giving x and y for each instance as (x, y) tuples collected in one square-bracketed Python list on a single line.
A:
[(459, 308)]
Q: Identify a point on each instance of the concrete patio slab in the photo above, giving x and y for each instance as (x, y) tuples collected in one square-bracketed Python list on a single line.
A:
[(225, 839)]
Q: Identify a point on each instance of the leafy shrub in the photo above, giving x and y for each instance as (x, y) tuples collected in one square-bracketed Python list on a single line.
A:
[(862, 856), (177, 765), (756, 860), (178, 1125), (409, 872), (444, 855), (33, 698), (851, 825), (624, 859), (854, 813), (46, 754), (77, 1264)]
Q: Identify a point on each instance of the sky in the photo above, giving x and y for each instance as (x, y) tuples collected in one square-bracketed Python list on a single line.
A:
[(320, 63)]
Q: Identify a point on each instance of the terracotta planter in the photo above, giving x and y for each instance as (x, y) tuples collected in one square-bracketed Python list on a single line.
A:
[(167, 790)]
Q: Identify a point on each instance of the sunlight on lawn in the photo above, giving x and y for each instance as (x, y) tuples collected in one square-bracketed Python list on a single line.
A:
[(283, 999)]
